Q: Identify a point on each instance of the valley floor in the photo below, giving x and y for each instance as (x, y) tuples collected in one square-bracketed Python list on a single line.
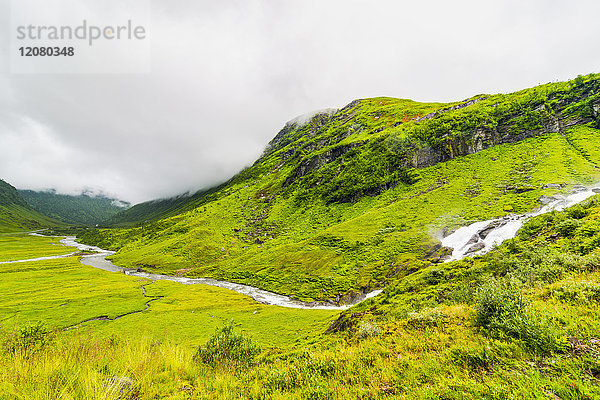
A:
[(426, 337)]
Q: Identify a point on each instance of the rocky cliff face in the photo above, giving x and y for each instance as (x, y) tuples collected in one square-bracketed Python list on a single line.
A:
[(557, 120), (321, 146)]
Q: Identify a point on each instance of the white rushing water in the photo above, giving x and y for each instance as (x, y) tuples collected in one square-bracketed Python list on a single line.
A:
[(480, 237)]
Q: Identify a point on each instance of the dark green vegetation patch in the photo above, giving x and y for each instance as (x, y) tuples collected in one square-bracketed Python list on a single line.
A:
[(78, 210)]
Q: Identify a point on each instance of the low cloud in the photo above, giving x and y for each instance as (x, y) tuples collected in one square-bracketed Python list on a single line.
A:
[(226, 76)]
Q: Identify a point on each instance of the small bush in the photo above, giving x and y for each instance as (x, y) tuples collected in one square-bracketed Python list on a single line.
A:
[(576, 212), (435, 276), (532, 273), (367, 329), (473, 359), (532, 227), (567, 227), (28, 340), (592, 261), (227, 346), (539, 265), (502, 311), (578, 292)]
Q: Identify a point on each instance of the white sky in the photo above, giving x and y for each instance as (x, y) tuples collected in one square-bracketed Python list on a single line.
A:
[(227, 75)]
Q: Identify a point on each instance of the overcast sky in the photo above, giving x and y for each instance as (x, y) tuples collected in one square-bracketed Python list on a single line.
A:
[(226, 76)]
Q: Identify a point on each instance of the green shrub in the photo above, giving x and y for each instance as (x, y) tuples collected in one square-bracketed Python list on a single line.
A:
[(576, 212), (532, 272), (532, 227), (435, 276), (567, 227), (28, 340), (227, 346), (473, 359), (503, 311), (578, 292), (367, 329), (539, 265), (591, 261)]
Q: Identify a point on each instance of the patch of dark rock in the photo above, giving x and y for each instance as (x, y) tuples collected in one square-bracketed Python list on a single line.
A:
[(520, 189), (476, 247), (486, 231), (552, 186), (474, 239), (123, 383), (437, 253)]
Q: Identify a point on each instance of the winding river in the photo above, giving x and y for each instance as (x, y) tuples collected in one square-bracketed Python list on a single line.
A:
[(474, 239), (98, 260)]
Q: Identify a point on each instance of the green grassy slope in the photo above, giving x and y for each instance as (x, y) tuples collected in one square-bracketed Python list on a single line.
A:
[(79, 210), (16, 214), (520, 322), (348, 201)]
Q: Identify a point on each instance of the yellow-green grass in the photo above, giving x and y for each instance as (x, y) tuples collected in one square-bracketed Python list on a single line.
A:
[(432, 350), (404, 359), (62, 292), (22, 246), (190, 313)]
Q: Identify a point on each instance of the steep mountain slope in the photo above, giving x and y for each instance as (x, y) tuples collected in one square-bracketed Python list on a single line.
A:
[(157, 209), (351, 199), (79, 210), (16, 214)]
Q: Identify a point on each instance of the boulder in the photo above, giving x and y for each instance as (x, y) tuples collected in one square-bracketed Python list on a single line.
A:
[(476, 247), (551, 186), (474, 239), (486, 231), (546, 199)]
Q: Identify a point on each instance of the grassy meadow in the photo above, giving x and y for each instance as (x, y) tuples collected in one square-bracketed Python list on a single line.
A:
[(22, 246), (58, 295), (518, 323), (62, 292)]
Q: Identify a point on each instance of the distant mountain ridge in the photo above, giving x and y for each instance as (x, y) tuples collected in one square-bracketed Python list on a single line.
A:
[(83, 209), (157, 209)]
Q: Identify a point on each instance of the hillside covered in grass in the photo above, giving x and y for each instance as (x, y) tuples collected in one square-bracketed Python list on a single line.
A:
[(79, 210), (16, 214), (347, 201), (520, 322)]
